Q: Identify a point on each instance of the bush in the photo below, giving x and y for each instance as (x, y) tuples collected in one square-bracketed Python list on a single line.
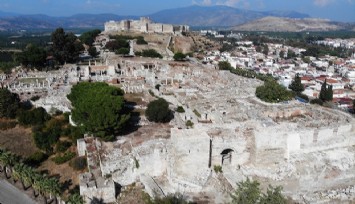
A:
[(224, 65), (180, 109), (151, 53), (317, 101), (122, 51), (141, 41), (35, 98), (189, 123), (179, 56), (36, 158), (62, 146), (217, 168), (197, 113), (158, 111), (79, 163), (37, 116), (273, 92), (61, 159)]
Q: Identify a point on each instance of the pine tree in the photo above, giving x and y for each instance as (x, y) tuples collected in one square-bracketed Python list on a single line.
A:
[(296, 85)]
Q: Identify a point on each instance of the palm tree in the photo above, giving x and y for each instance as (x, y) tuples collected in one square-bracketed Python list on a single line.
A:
[(8, 160), (37, 184), (53, 188), (17, 172), (27, 177), (75, 199)]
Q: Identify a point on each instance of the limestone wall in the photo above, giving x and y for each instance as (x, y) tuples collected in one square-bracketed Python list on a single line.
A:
[(189, 157)]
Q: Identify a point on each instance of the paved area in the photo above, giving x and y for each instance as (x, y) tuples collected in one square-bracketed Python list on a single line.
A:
[(11, 195)]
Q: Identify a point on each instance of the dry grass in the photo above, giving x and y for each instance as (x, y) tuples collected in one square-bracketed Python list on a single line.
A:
[(18, 140)]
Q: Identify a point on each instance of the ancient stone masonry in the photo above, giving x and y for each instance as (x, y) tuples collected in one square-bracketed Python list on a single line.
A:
[(306, 149), (93, 184), (144, 25)]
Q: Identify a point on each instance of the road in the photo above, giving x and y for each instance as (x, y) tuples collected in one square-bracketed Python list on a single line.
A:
[(11, 195)]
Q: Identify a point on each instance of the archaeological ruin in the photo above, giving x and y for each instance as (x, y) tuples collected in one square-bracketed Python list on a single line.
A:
[(144, 25)]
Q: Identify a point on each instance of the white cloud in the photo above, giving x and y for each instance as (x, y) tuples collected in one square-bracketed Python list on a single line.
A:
[(322, 3), (206, 2)]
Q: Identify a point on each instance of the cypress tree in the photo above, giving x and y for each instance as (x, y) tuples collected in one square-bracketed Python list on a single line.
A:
[(330, 93), (323, 91)]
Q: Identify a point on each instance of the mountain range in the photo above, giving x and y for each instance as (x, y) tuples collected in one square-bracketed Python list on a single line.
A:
[(293, 25), (222, 16), (192, 15)]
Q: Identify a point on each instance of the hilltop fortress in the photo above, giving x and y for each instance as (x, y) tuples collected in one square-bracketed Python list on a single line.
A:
[(144, 25)]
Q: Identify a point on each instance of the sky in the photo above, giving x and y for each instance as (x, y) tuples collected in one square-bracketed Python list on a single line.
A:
[(338, 10)]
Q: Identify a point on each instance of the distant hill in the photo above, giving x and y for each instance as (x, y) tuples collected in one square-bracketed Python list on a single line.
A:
[(216, 15), (192, 15), (293, 25), (39, 21)]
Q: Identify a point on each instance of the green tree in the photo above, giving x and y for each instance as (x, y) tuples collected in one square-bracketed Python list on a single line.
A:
[(66, 46), (273, 196), (224, 65), (98, 108), (9, 103), (122, 51), (32, 56), (326, 92), (179, 56), (88, 37), (273, 92), (248, 192), (37, 116), (93, 52), (158, 111), (329, 93), (296, 85)]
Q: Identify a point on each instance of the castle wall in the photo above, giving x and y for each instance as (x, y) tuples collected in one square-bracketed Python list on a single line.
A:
[(143, 25)]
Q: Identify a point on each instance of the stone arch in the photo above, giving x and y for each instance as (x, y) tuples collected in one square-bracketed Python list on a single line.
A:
[(227, 156)]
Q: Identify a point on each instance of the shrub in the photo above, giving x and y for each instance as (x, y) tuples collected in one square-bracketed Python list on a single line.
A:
[(122, 51), (78, 163), (36, 158), (317, 101), (273, 92), (158, 111), (151, 53), (37, 116), (189, 123), (35, 98), (136, 162), (62, 146), (157, 87), (151, 93), (217, 168), (197, 113), (179, 56), (61, 159), (180, 109), (141, 41)]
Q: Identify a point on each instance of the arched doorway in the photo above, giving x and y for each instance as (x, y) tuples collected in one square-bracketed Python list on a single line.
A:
[(227, 156)]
